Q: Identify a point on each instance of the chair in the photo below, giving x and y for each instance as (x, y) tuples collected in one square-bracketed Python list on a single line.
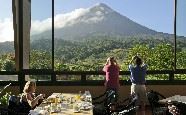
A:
[(102, 102), (177, 108), (15, 107), (156, 107), (3, 110), (125, 107)]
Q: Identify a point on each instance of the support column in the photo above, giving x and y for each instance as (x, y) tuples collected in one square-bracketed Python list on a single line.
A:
[(15, 6), (21, 23), (26, 32)]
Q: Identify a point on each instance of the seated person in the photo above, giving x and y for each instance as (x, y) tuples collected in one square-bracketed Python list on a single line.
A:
[(28, 98)]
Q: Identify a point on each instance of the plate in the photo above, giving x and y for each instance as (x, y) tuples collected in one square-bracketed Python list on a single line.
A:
[(76, 111)]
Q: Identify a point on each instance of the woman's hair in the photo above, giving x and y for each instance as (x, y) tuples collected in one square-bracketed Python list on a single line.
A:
[(28, 86), (111, 60), (138, 61)]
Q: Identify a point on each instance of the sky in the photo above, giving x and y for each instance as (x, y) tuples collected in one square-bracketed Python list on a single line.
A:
[(154, 14)]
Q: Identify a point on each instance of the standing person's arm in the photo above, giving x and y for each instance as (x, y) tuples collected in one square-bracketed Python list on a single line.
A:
[(130, 67), (132, 60), (118, 73), (107, 63), (145, 66), (104, 68)]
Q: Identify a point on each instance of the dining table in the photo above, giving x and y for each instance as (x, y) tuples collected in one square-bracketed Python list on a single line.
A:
[(174, 99), (176, 104), (65, 104)]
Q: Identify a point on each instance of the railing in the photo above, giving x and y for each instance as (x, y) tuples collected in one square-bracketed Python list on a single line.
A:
[(83, 81)]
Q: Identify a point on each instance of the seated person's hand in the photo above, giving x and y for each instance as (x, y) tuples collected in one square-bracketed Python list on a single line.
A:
[(41, 96)]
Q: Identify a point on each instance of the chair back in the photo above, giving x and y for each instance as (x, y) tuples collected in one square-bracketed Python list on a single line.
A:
[(15, 107), (107, 98), (125, 107), (13, 104), (111, 97), (154, 98)]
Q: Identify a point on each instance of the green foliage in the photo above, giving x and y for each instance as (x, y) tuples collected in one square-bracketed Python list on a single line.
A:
[(158, 58), (40, 59), (4, 99), (162, 57), (181, 60), (7, 62), (61, 67), (91, 54), (142, 50), (180, 77), (8, 65), (1, 64)]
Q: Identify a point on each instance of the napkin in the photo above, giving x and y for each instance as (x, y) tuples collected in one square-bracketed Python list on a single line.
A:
[(39, 112)]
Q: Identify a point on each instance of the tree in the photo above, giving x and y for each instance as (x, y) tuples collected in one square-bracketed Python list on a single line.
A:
[(40, 60)]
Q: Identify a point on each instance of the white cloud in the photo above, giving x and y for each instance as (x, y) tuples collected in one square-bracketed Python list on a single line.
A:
[(40, 26), (6, 30), (68, 19), (60, 20)]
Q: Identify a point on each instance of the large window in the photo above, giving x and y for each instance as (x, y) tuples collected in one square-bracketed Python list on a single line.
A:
[(181, 34), (41, 34), (41, 38), (88, 32), (76, 35), (7, 52)]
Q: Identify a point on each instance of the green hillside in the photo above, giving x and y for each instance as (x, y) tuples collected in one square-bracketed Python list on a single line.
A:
[(91, 53)]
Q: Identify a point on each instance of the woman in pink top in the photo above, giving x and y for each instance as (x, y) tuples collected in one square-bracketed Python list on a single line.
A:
[(111, 69)]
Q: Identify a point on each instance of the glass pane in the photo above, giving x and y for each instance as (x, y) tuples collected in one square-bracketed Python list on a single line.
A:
[(95, 77), (7, 52), (68, 77), (180, 76), (8, 78), (181, 34), (124, 77), (158, 77), (38, 78), (41, 34), (88, 32)]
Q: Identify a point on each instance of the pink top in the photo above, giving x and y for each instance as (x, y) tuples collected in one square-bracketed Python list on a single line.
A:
[(112, 76)]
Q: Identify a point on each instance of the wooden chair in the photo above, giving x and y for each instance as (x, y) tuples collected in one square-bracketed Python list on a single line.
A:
[(15, 107), (156, 107), (124, 107), (102, 102)]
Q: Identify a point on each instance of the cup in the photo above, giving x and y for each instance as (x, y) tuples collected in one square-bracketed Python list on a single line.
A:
[(39, 108), (88, 98), (76, 108), (47, 108), (87, 92), (56, 100), (61, 98), (53, 107), (78, 97)]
